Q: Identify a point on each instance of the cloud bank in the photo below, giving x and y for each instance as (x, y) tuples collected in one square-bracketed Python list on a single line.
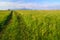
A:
[(33, 5)]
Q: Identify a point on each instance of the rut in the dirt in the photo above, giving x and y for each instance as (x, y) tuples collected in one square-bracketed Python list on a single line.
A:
[(6, 22), (21, 27)]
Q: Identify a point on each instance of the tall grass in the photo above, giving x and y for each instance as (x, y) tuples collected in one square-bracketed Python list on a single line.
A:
[(33, 25)]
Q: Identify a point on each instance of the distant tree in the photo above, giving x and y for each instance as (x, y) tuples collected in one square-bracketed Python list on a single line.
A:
[(8, 9)]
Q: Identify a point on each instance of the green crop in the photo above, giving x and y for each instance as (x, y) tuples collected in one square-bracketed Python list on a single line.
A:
[(30, 25)]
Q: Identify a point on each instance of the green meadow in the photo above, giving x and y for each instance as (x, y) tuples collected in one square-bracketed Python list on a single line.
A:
[(30, 25)]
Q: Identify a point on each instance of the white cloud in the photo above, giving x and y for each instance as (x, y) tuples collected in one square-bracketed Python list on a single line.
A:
[(17, 5)]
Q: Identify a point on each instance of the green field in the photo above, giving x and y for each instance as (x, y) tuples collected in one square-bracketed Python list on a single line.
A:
[(30, 25)]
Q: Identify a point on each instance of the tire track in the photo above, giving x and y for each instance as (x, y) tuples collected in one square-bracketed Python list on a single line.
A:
[(4, 24), (21, 26), (10, 29)]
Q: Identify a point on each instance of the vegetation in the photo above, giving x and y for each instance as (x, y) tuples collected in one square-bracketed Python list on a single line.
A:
[(30, 25)]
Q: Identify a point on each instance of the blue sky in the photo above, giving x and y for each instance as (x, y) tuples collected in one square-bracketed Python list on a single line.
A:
[(29, 4)]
